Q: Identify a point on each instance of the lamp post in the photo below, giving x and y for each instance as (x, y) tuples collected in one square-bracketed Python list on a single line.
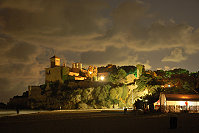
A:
[(132, 100), (102, 78)]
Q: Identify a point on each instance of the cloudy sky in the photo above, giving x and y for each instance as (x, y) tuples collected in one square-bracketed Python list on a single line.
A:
[(157, 33)]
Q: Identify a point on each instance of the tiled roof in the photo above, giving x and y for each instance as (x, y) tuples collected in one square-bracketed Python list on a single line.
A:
[(182, 97), (54, 57)]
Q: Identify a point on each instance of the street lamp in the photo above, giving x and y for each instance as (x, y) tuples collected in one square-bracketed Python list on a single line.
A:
[(102, 78)]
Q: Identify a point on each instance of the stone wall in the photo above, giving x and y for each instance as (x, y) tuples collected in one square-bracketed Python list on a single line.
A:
[(34, 92), (53, 74)]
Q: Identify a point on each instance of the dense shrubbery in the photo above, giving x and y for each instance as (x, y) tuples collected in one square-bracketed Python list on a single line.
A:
[(99, 97), (88, 94)]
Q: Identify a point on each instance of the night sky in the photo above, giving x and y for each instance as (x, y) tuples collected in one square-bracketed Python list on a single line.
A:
[(161, 34)]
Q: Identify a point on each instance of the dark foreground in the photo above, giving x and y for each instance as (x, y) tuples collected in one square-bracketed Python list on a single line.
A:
[(97, 122)]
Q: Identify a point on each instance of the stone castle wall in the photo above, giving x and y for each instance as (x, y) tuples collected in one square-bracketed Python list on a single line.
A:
[(34, 92), (53, 74)]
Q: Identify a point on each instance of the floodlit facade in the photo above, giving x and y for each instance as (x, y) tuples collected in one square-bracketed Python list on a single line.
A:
[(56, 72), (55, 61), (60, 73), (73, 74), (53, 74), (179, 102)]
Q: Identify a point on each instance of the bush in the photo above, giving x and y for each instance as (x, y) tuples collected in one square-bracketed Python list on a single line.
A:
[(82, 106)]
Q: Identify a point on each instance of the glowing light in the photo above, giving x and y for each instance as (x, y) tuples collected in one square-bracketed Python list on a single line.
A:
[(169, 85), (90, 72), (102, 78)]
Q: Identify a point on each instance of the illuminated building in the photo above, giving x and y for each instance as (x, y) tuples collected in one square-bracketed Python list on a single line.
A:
[(76, 67), (55, 72), (58, 73), (179, 102), (55, 61)]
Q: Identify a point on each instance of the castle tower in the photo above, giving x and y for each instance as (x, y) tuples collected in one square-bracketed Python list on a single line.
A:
[(77, 65), (73, 65), (54, 61), (140, 70)]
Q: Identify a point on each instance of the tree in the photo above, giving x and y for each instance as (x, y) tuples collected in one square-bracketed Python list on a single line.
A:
[(82, 105), (113, 94), (84, 97), (119, 77), (96, 92), (125, 92)]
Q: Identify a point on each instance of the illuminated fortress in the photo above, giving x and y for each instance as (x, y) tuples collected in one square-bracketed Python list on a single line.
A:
[(56, 72), (59, 77)]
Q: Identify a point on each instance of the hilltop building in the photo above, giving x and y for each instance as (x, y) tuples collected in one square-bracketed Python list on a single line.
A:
[(54, 73), (58, 73)]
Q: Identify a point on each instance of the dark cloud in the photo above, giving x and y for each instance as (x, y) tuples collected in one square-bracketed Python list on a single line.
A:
[(18, 66), (181, 10), (175, 56), (4, 84), (43, 57), (5, 89), (15, 78), (15, 86), (93, 25), (111, 54), (128, 14), (163, 34), (21, 52), (94, 32), (53, 18), (5, 42)]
